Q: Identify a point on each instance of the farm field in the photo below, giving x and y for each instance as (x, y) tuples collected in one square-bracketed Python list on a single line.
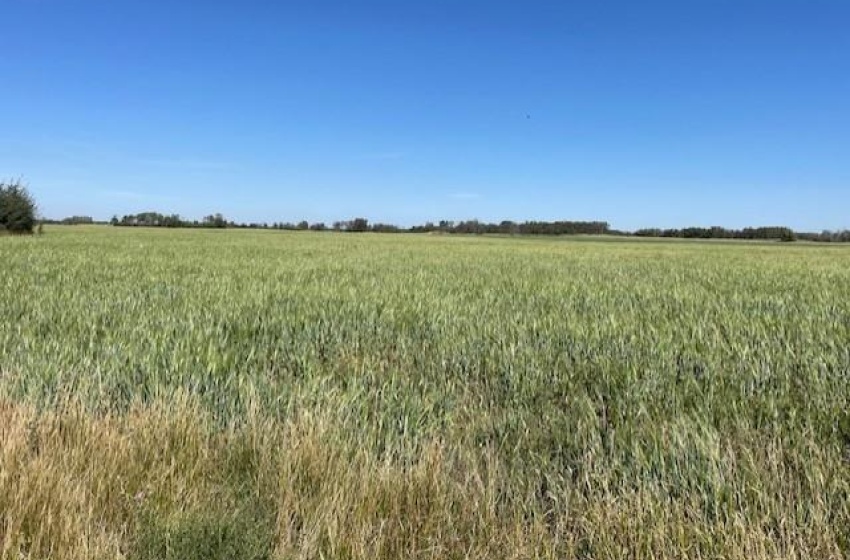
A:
[(180, 394)]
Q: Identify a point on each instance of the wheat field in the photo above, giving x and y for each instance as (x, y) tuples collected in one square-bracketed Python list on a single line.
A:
[(197, 394)]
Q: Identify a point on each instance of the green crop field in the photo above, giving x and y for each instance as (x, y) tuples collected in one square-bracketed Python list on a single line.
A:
[(181, 394)]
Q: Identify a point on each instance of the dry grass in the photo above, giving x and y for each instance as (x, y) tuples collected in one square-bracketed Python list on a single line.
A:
[(164, 481)]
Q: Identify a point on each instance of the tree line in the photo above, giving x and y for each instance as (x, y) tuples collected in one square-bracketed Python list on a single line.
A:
[(18, 215), (771, 232), (780, 233), (505, 227), (155, 219)]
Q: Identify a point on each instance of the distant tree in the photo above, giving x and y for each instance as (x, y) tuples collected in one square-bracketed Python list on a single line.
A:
[(718, 232), (469, 226), (318, 226), (303, 225), (77, 220), (787, 235), (17, 208), (215, 221), (507, 226), (359, 225), (385, 228)]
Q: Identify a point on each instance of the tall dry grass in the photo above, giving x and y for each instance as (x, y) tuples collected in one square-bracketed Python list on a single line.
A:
[(166, 481)]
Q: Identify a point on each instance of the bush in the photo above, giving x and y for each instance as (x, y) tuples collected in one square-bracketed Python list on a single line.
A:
[(17, 208)]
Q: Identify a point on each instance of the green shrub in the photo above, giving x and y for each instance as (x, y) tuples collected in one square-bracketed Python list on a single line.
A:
[(17, 208)]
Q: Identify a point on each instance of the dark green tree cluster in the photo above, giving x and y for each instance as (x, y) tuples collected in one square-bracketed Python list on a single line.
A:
[(289, 226), (155, 219), (17, 208), (765, 233), (76, 220), (518, 228), (355, 225), (827, 236)]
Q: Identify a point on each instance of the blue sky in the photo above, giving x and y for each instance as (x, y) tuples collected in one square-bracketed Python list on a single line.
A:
[(667, 113)]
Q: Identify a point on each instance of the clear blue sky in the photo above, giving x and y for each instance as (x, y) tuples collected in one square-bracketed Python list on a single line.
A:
[(668, 113)]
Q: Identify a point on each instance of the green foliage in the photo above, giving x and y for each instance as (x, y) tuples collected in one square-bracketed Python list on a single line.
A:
[(17, 208), (358, 225), (215, 220), (780, 233), (77, 220), (787, 235)]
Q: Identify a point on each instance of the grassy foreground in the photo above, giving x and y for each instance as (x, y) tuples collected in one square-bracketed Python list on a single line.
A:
[(252, 395)]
